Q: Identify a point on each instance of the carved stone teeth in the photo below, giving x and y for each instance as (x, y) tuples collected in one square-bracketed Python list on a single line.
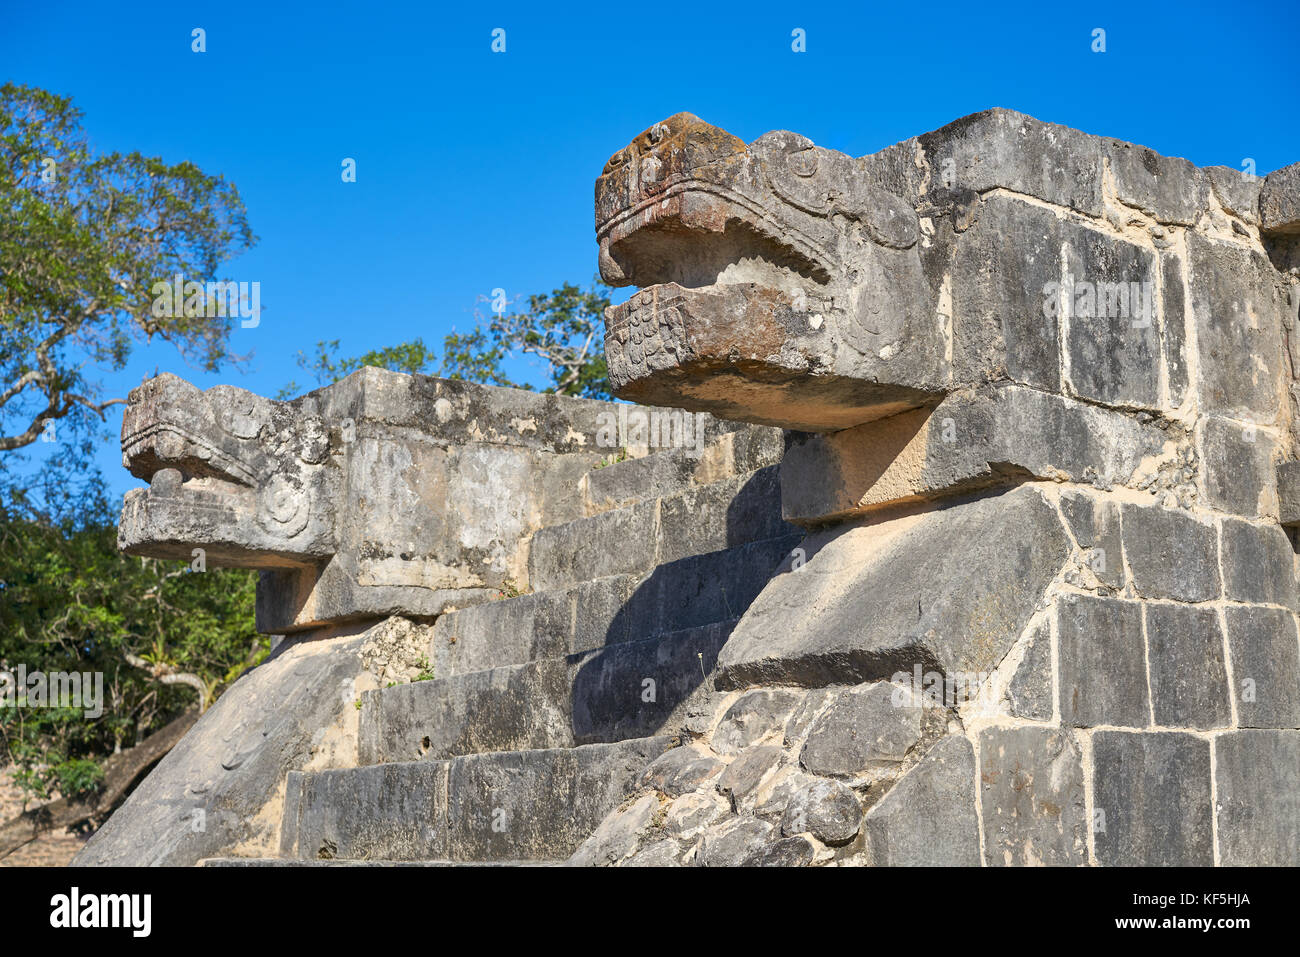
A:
[(166, 481)]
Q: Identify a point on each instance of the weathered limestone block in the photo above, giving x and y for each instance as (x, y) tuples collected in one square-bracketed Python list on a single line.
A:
[(624, 690), (611, 687), (710, 450), (217, 788), (749, 771), (1001, 149), (995, 149), (658, 854), (1237, 191), (1171, 554), (690, 815), (543, 803), (1288, 493), (1189, 681), (733, 842), (1258, 564), (1095, 524), (1032, 792), (514, 806), (522, 629), (989, 437), (853, 612), (1029, 287), (828, 810), (1238, 474), (563, 554), (689, 523), (1001, 276), (796, 851), (928, 817), (1173, 324), (616, 837), (864, 728), (812, 706), (1169, 189), (1102, 662), (1257, 776), (704, 588), (680, 771), (1151, 799), (1265, 666), (511, 708), (1279, 201), (1030, 693), (1113, 343), (752, 717), (721, 515), (1238, 310), (389, 811), (780, 789)]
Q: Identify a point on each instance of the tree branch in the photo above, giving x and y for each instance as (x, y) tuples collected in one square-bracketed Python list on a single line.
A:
[(120, 772), (170, 675)]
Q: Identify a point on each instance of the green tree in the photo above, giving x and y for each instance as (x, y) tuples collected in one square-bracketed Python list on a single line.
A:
[(561, 327), (162, 636), (83, 239), (410, 357)]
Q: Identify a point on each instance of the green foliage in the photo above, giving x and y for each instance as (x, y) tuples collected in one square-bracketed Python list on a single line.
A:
[(561, 327), (69, 601), (613, 459), (410, 357), (83, 239), (509, 589), (77, 776), (426, 669)]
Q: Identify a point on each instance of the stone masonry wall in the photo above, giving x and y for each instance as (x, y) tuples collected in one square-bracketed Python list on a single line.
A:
[(1050, 616), (1039, 396)]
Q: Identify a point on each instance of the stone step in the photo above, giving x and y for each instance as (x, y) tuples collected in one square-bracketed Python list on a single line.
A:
[(697, 590), (660, 474), (625, 690), (514, 806), (637, 538)]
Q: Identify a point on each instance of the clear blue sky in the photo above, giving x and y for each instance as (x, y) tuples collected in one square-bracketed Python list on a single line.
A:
[(475, 169)]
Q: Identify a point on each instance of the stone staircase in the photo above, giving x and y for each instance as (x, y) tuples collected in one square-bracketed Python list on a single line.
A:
[(546, 707), (1047, 614)]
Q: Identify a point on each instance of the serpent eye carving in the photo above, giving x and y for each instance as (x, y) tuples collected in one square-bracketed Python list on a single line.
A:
[(282, 507), (803, 163), (615, 161), (889, 221), (801, 174)]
